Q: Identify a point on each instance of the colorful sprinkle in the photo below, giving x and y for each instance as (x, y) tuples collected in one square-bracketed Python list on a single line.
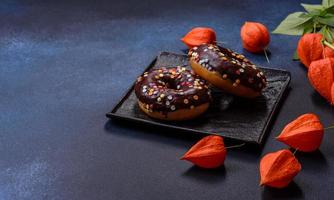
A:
[(156, 89)]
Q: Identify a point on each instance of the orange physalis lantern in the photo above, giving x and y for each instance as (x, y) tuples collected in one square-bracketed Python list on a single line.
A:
[(278, 169), (198, 36), (328, 52), (310, 48), (255, 37), (321, 74), (304, 133), (209, 152)]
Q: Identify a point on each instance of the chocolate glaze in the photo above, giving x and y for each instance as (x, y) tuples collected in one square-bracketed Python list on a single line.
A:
[(170, 89), (230, 65)]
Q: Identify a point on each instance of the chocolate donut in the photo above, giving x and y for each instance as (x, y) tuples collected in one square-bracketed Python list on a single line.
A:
[(172, 93), (227, 70)]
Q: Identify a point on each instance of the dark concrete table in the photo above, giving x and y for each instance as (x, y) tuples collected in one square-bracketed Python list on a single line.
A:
[(64, 63)]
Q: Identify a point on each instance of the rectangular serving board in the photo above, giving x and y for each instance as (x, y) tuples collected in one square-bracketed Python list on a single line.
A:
[(232, 117)]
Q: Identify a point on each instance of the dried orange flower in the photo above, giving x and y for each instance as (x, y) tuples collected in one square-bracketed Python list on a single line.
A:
[(198, 36), (321, 74), (209, 152), (278, 169), (328, 52), (255, 37), (304, 133), (310, 48)]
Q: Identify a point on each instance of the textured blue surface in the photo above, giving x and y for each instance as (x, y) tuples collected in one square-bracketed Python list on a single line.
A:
[(63, 64)]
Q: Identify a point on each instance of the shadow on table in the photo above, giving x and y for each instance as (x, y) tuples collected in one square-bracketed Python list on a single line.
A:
[(180, 139), (205, 175), (291, 191), (314, 162), (321, 102), (147, 132)]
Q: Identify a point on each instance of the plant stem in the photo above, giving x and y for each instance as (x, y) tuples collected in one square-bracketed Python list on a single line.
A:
[(330, 127), (329, 33), (329, 45), (235, 146), (295, 151), (323, 49), (265, 53)]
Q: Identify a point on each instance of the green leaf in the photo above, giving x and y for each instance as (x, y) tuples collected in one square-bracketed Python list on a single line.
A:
[(327, 34), (308, 28), (295, 56), (327, 3), (313, 9), (327, 20), (323, 31), (331, 30), (329, 10), (293, 24), (329, 37)]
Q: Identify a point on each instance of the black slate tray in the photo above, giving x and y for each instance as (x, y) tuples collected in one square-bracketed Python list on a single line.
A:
[(229, 116)]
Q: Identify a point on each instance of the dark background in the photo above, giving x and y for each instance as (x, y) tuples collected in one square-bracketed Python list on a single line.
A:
[(63, 64)]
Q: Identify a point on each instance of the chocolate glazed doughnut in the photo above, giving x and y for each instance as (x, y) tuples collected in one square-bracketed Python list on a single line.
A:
[(227, 70), (172, 94)]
